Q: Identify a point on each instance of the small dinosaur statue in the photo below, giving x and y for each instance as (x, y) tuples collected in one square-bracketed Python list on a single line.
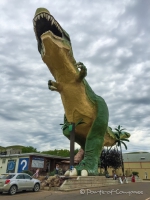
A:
[(79, 100)]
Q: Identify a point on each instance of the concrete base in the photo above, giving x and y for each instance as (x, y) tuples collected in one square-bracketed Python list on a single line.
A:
[(79, 182), (86, 182)]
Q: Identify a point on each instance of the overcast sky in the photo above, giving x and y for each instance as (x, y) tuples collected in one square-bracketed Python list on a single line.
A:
[(112, 39)]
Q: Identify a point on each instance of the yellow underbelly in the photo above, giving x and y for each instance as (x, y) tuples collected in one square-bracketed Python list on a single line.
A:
[(77, 106)]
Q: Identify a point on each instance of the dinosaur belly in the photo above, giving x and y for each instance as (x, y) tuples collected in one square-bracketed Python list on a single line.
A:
[(77, 106)]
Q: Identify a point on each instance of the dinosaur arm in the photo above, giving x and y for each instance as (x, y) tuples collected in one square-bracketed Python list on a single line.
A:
[(53, 86), (83, 71)]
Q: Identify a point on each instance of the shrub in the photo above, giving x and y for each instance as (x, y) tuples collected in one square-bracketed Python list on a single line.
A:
[(135, 173), (52, 173)]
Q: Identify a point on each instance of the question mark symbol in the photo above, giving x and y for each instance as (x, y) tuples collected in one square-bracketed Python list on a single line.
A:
[(25, 164)]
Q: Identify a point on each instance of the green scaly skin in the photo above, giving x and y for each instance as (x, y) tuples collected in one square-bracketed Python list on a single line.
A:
[(95, 137)]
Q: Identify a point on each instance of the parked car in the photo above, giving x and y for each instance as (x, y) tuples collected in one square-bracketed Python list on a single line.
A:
[(14, 182)]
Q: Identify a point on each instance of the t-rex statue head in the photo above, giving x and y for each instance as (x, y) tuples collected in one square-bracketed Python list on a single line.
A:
[(54, 42)]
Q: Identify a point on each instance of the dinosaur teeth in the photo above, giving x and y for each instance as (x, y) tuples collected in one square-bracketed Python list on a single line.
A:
[(35, 18), (56, 25), (52, 21), (48, 17), (59, 29)]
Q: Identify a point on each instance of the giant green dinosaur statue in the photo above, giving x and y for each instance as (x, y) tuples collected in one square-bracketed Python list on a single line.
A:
[(79, 100)]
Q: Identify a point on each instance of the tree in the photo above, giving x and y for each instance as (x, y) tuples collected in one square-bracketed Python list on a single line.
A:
[(104, 163), (110, 158), (119, 142), (114, 159), (60, 152), (29, 149)]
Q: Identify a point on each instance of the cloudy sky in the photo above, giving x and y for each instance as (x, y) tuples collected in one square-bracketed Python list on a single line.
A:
[(112, 39)]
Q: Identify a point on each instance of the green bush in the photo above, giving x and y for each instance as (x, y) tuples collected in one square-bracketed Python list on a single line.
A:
[(52, 173), (135, 173)]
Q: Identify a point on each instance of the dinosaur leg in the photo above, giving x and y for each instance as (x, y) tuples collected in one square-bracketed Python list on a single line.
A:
[(94, 142), (79, 156)]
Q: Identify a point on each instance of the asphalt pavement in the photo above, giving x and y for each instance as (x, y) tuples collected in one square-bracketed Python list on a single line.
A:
[(130, 191)]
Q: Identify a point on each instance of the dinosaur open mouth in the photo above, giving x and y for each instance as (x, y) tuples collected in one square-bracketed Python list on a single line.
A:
[(44, 22)]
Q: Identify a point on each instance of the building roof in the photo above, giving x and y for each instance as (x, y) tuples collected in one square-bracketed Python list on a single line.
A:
[(136, 157), (34, 154)]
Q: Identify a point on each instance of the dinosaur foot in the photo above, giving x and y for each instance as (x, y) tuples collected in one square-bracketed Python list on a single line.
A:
[(83, 169), (74, 172)]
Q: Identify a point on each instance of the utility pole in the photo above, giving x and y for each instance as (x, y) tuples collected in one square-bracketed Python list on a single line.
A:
[(72, 140)]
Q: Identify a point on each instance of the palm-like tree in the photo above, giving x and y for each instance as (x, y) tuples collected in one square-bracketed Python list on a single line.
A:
[(119, 142)]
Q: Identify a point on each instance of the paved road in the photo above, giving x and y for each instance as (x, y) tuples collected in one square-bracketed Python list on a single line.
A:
[(119, 192)]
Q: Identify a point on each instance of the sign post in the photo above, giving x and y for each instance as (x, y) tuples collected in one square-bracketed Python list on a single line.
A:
[(72, 139)]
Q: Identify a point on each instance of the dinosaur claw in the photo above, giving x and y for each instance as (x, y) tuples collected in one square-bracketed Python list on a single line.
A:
[(73, 172), (84, 172), (67, 173), (52, 88)]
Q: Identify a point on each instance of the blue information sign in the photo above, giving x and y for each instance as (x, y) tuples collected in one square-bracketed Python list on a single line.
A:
[(11, 166), (23, 164)]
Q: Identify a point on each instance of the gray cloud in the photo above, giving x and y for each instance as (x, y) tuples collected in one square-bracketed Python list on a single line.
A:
[(110, 38)]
